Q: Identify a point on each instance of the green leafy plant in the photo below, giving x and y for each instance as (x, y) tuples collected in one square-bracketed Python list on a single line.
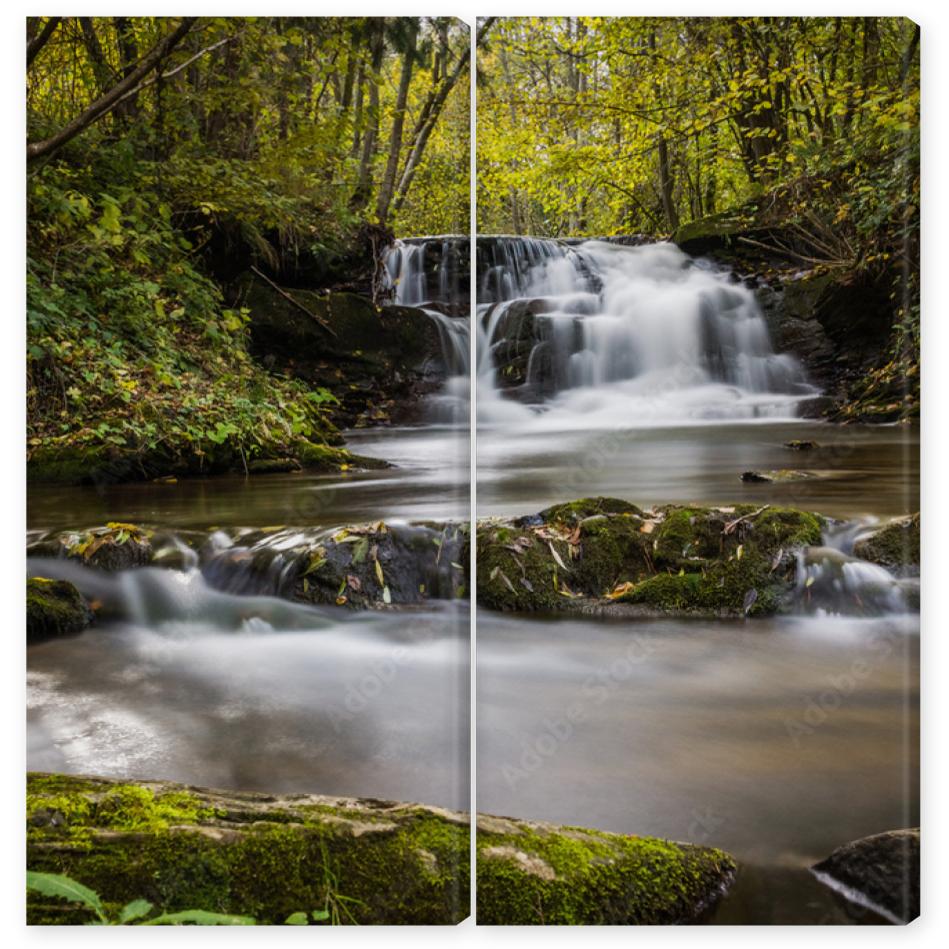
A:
[(137, 912)]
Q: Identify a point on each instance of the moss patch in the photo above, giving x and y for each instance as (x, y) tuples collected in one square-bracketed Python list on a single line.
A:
[(895, 545), (54, 608), (248, 854), (540, 874), (676, 559)]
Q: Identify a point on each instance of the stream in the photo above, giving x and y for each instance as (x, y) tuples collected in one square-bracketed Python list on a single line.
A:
[(651, 378), (602, 370), (203, 676)]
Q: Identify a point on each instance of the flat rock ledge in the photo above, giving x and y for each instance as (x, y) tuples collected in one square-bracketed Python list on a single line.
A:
[(534, 873), (374, 862), (245, 853), (880, 872)]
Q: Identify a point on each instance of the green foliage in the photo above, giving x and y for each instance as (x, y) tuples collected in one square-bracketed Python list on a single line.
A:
[(584, 121), (136, 912), (130, 346)]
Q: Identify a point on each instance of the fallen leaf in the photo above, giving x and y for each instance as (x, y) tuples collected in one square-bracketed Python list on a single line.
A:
[(750, 597), (553, 550)]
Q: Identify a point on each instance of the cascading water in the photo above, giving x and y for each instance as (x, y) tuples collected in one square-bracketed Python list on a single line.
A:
[(603, 335), (430, 273), (830, 579)]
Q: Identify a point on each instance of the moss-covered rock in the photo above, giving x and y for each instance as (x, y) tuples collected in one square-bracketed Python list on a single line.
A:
[(67, 463), (246, 853), (672, 559), (54, 608), (115, 546), (883, 868), (537, 873), (378, 361), (895, 545), (377, 565)]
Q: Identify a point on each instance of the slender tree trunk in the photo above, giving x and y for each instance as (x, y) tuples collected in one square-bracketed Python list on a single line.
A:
[(100, 67), (435, 106), (398, 120), (127, 109), (37, 42), (364, 183)]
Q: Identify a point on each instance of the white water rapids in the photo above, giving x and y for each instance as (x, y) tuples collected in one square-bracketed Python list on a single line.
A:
[(627, 337)]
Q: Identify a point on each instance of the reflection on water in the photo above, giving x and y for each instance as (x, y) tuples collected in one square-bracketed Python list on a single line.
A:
[(776, 740), (367, 704), (859, 469)]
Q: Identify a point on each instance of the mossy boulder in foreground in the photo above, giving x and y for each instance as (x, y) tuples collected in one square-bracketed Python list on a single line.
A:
[(537, 873), (54, 608), (600, 552), (245, 853), (882, 869)]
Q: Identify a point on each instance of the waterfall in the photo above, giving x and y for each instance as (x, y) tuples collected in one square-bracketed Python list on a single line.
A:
[(431, 273), (603, 334)]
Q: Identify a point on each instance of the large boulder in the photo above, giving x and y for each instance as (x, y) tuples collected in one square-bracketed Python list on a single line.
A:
[(267, 856), (605, 553), (54, 608), (534, 873), (377, 360), (882, 870)]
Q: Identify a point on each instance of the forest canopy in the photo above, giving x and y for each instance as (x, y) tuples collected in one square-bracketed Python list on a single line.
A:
[(590, 125)]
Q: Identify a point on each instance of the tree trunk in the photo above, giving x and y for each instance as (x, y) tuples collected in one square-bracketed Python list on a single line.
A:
[(37, 42), (398, 120), (364, 183)]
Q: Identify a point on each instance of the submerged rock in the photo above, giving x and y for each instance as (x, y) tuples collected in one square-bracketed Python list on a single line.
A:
[(801, 444), (245, 853), (603, 552), (537, 873), (882, 870), (776, 475), (895, 545), (54, 608)]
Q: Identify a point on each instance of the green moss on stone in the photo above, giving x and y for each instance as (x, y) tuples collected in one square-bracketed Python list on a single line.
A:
[(248, 854), (539, 874), (895, 545), (592, 548), (54, 608)]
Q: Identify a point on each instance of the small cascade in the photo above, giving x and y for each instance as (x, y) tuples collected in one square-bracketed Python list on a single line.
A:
[(432, 273), (230, 579), (602, 334), (831, 579)]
